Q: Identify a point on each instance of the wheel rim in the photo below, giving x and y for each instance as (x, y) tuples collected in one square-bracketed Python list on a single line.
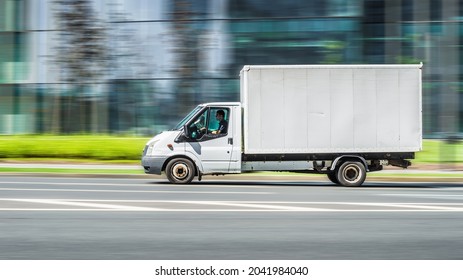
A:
[(352, 173), (180, 171)]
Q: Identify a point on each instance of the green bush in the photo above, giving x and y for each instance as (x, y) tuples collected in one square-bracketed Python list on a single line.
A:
[(436, 151), (72, 147)]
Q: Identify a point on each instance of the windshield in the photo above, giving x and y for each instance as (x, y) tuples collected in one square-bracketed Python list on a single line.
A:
[(187, 118)]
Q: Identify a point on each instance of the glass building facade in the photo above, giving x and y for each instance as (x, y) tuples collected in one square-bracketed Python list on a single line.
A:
[(162, 57)]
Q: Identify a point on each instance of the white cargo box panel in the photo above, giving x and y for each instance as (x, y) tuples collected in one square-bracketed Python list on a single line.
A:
[(331, 108)]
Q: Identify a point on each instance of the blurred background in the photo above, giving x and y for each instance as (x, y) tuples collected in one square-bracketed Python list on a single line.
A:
[(137, 66)]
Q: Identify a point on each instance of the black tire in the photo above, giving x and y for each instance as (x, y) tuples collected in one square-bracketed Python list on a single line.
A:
[(180, 171), (332, 177), (351, 174)]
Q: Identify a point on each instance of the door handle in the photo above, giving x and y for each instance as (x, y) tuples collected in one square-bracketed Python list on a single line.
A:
[(230, 141)]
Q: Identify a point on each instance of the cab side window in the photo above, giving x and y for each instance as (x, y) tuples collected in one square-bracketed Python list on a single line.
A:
[(218, 121), (210, 124)]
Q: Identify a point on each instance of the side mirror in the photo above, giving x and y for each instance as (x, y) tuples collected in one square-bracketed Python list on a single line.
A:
[(186, 132)]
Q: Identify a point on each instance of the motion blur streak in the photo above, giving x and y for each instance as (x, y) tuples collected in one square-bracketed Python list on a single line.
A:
[(137, 66)]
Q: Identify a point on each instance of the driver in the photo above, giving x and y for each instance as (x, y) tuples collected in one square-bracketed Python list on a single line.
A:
[(223, 124)]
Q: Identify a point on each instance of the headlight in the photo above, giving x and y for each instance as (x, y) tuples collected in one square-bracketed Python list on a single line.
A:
[(150, 148)]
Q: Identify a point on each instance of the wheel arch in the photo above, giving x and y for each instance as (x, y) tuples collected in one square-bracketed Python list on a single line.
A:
[(339, 160), (198, 168)]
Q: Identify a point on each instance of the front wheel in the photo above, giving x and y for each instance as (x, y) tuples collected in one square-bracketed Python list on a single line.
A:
[(351, 174), (180, 171)]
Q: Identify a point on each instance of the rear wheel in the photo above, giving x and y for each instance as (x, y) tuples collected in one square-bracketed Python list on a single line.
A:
[(351, 174), (180, 171)]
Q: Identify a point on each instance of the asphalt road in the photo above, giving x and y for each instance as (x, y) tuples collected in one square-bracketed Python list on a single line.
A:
[(85, 218)]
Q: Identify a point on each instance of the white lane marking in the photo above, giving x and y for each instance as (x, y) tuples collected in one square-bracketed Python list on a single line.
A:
[(420, 194), (148, 184), (58, 209), (260, 205), (426, 207), (263, 206), (131, 191), (85, 204), (427, 195), (226, 210), (429, 206)]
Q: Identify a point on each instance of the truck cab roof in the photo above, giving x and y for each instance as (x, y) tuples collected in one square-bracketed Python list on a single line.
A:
[(211, 104)]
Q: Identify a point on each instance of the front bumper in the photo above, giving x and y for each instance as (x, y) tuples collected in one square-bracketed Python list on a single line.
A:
[(153, 165)]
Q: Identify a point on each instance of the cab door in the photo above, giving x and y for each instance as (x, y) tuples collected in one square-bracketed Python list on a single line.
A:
[(214, 149)]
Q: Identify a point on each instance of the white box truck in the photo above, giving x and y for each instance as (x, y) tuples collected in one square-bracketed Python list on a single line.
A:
[(339, 120)]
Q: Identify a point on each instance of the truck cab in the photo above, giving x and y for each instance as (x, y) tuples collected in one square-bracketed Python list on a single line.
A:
[(196, 146)]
